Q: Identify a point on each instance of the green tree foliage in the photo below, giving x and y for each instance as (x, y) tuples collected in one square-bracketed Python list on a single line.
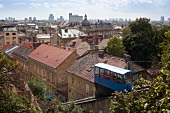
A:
[(37, 87), (10, 101), (140, 42), (165, 57), (115, 47), (155, 98), (125, 31)]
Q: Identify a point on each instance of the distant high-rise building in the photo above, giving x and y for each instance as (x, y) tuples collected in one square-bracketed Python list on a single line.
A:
[(30, 19), (75, 18), (168, 21), (26, 19), (61, 19), (51, 18), (34, 19), (162, 19)]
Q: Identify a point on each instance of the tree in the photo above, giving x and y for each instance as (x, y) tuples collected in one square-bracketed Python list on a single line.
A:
[(140, 42), (125, 31), (115, 47), (153, 99), (37, 87), (165, 57), (11, 101)]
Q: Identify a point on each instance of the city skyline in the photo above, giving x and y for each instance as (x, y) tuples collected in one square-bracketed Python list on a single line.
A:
[(95, 9)]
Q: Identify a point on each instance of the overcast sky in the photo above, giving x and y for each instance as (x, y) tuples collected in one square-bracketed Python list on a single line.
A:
[(95, 9)]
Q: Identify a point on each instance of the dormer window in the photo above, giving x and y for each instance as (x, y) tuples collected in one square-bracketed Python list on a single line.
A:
[(90, 68), (46, 56)]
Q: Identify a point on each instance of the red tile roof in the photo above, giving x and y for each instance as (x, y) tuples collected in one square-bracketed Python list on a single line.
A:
[(49, 55), (28, 45), (6, 46)]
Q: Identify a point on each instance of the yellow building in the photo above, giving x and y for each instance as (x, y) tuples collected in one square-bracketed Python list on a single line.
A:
[(50, 63), (81, 73)]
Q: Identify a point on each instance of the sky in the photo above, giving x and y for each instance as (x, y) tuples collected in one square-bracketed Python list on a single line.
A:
[(95, 9)]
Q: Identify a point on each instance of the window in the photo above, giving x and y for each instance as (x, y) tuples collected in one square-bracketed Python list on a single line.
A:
[(49, 76), (14, 38), (52, 78), (79, 85), (36, 69), (72, 94), (13, 33), (7, 34), (31, 68), (44, 73), (90, 68), (41, 72), (72, 81), (87, 88), (128, 78), (119, 79), (101, 72)]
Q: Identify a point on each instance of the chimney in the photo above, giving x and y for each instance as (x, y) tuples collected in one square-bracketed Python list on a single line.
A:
[(62, 47), (49, 44), (68, 48), (128, 60), (75, 50), (101, 53), (55, 45)]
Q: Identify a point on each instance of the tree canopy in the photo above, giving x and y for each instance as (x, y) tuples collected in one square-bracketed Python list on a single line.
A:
[(140, 42), (115, 47), (153, 99), (11, 101)]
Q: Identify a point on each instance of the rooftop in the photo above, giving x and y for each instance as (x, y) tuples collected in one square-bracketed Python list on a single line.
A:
[(10, 29), (50, 55), (42, 36), (71, 33), (22, 52)]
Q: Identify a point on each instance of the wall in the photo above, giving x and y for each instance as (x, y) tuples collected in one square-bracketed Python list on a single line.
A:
[(95, 105), (78, 87), (9, 38), (62, 75), (82, 48)]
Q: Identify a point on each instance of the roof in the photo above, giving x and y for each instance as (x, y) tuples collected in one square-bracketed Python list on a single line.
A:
[(43, 36), (74, 42), (8, 51), (49, 55), (80, 66), (6, 46), (70, 33), (10, 29), (28, 45), (154, 71), (22, 52), (113, 68)]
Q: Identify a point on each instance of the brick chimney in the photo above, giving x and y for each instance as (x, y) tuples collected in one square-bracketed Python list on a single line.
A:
[(55, 45)]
